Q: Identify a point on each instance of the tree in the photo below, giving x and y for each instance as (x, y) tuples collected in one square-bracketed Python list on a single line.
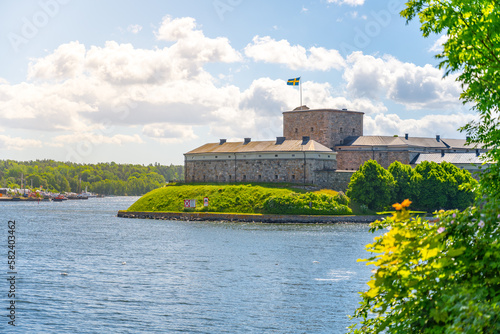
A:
[(432, 187), (442, 276), (405, 180), (473, 51), (371, 185)]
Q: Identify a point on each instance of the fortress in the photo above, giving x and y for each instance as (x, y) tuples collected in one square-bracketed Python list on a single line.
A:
[(323, 147)]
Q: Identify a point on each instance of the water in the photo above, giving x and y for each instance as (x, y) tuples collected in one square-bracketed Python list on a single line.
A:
[(148, 276)]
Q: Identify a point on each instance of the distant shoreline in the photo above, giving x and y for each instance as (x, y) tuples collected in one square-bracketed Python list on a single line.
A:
[(248, 218)]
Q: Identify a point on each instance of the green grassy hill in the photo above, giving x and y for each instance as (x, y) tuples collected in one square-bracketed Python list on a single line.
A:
[(243, 199)]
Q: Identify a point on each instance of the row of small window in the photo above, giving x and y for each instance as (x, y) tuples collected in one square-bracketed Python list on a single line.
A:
[(312, 130), (259, 177), (260, 156)]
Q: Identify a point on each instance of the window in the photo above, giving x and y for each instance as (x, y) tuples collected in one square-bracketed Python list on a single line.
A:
[(215, 157), (229, 177), (296, 130), (260, 156), (312, 129), (352, 130), (229, 156), (293, 177), (260, 177), (293, 155), (340, 129), (244, 177), (275, 155), (276, 177)]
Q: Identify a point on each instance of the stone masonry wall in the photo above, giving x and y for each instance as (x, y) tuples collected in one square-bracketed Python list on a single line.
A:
[(256, 170), (337, 180), (352, 160), (328, 127)]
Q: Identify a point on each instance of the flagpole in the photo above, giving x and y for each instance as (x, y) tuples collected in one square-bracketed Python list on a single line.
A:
[(300, 88)]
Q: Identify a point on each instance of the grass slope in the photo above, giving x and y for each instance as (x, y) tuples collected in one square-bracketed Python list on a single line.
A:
[(240, 199)]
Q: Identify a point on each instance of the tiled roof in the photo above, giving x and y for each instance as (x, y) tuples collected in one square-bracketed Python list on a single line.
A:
[(454, 158), (261, 146), (443, 143)]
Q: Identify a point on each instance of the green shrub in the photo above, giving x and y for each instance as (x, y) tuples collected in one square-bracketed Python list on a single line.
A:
[(342, 198), (372, 185), (305, 204)]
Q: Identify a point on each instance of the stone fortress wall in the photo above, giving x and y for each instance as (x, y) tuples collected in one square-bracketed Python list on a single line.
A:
[(293, 167), (326, 126)]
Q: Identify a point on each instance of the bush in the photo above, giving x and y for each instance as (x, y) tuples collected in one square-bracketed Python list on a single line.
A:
[(305, 204), (435, 277), (372, 185), (342, 198), (430, 186)]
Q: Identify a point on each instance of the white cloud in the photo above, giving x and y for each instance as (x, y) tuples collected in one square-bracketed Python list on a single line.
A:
[(169, 133), (427, 126), (347, 2), (117, 94), (414, 86), (67, 61), (295, 57), (134, 28), (18, 143), (193, 44), (95, 138), (438, 44)]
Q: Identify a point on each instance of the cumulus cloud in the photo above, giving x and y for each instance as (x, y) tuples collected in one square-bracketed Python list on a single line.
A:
[(347, 2), (438, 44), (295, 57), (75, 88), (169, 133), (427, 126), (18, 143), (67, 61), (96, 138), (193, 44), (414, 86)]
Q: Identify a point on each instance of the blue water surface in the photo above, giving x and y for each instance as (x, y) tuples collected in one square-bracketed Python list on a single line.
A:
[(80, 269)]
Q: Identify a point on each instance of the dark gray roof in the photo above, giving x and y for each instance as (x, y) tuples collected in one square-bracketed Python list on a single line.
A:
[(461, 143), (419, 142), (452, 157)]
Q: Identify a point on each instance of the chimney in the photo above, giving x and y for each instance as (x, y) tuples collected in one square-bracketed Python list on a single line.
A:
[(247, 140), (438, 138), (406, 136), (305, 140), (222, 141), (442, 153), (280, 140)]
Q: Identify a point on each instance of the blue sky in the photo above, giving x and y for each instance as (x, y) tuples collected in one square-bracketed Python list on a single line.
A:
[(143, 82)]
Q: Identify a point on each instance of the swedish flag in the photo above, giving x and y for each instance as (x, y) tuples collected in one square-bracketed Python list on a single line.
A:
[(293, 82)]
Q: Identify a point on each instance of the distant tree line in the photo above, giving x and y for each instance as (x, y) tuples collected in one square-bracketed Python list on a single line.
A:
[(430, 186), (103, 178)]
